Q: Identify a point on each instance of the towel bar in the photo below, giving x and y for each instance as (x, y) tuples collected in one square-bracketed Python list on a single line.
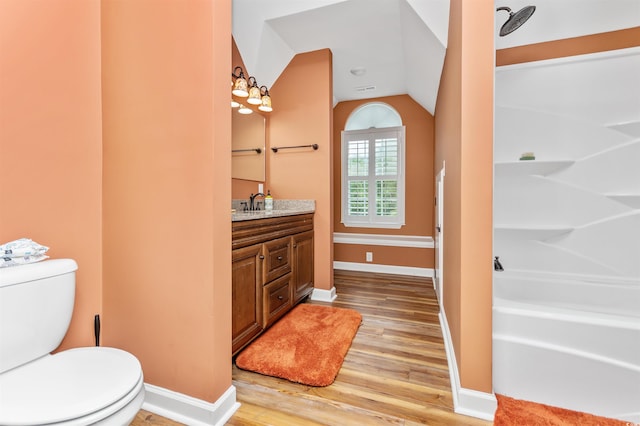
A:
[(257, 150), (276, 148)]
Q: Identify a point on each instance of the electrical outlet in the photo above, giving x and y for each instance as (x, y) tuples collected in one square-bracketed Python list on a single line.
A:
[(261, 188), (369, 257)]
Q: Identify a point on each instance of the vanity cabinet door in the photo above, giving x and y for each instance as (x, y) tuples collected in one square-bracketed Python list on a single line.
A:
[(247, 318), (302, 265)]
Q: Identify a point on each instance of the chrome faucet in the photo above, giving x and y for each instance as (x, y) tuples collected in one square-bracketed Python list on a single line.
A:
[(252, 205)]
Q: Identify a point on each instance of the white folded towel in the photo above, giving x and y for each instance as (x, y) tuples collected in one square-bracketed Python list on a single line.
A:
[(22, 247), (21, 252)]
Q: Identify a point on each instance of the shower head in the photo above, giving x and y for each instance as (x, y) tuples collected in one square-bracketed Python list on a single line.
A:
[(515, 19)]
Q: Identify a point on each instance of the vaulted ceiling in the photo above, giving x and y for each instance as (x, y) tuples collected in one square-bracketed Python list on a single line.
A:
[(391, 47)]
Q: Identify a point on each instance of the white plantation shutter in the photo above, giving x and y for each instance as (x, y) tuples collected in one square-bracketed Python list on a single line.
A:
[(373, 177), (386, 160), (357, 177)]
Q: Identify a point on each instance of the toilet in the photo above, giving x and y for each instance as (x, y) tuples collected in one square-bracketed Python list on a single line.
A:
[(81, 386)]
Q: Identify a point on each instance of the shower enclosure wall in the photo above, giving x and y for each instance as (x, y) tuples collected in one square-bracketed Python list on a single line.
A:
[(567, 230)]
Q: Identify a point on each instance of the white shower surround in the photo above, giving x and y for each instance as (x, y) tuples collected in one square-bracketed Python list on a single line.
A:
[(566, 342), (572, 215)]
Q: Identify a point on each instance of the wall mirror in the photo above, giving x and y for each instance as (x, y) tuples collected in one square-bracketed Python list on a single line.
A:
[(247, 146)]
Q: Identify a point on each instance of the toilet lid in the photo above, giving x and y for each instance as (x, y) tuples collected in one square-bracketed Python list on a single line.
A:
[(67, 385)]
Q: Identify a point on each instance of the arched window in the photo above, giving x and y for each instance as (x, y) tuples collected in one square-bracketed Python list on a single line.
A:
[(375, 114), (373, 162)]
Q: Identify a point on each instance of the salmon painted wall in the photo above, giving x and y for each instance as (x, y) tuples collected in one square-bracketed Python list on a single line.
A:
[(304, 90), (167, 242), (410, 257), (50, 140), (477, 194), (464, 140), (419, 188)]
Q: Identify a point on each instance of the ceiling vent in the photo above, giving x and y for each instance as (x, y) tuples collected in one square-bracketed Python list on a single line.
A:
[(365, 88)]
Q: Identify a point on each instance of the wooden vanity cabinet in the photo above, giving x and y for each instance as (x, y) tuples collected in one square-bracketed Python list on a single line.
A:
[(272, 272)]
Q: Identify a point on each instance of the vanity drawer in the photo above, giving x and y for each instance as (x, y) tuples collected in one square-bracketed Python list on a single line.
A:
[(277, 258), (277, 299)]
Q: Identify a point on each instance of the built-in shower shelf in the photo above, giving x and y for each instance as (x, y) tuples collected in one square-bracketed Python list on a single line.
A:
[(631, 200), (532, 167), (532, 232)]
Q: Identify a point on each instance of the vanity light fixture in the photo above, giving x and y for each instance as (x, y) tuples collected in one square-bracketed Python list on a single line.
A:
[(240, 86), (249, 88), (244, 110), (265, 101)]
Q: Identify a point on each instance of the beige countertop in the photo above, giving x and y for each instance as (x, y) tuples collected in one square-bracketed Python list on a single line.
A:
[(280, 208)]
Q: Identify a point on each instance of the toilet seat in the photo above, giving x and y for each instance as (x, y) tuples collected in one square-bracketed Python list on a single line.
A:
[(76, 386)]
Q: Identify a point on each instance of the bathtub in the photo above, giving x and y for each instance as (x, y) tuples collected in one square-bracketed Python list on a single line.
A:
[(569, 342)]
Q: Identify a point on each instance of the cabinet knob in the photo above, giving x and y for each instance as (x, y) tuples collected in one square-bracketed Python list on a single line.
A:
[(261, 257), (280, 297), (279, 257)]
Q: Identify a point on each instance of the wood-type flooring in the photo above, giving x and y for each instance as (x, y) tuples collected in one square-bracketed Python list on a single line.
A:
[(395, 372)]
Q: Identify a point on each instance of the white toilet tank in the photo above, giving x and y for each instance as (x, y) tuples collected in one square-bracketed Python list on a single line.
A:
[(36, 304)]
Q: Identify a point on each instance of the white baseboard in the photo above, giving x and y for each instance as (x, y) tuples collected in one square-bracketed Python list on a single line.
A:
[(384, 269), (468, 402), (188, 410), (321, 295), (472, 403)]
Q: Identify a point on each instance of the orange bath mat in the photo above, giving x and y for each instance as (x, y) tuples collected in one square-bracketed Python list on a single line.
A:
[(308, 345), (513, 412)]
